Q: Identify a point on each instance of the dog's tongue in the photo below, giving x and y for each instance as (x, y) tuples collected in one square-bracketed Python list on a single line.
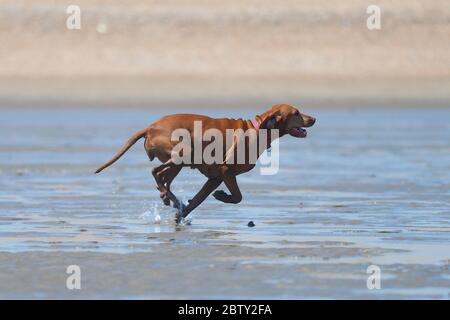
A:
[(298, 132)]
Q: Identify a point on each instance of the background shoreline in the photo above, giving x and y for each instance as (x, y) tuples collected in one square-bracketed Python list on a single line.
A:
[(140, 93)]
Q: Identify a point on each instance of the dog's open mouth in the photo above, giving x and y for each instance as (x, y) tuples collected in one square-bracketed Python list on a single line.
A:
[(298, 132)]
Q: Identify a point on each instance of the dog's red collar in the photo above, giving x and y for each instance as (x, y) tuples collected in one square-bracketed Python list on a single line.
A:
[(255, 123)]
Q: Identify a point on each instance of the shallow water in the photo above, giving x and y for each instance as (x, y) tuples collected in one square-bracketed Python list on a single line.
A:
[(366, 187)]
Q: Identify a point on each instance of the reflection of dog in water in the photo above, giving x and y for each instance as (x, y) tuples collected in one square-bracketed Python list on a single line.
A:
[(158, 143)]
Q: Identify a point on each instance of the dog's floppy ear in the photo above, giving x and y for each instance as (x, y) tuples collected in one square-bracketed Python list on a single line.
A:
[(271, 121)]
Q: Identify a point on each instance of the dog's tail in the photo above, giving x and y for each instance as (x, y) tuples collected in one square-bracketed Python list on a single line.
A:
[(134, 138)]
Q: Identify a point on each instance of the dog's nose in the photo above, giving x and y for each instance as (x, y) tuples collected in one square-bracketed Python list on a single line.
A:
[(312, 121)]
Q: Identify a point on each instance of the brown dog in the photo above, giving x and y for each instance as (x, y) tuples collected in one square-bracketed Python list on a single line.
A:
[(158, 143)]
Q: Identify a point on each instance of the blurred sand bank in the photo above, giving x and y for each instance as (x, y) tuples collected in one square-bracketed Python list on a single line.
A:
[(141, 53)]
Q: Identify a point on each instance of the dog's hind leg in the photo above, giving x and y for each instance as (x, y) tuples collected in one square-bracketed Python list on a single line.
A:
[(156, 172), (164, 175), (167, 175)]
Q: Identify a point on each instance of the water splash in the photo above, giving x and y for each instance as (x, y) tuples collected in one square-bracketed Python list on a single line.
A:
[(159, 214), (186, 221), (153, 215)]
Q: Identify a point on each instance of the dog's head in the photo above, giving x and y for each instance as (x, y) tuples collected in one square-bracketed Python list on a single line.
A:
[(287, 119)]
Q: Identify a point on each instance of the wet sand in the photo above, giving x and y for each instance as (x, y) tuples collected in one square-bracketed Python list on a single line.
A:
[(366, 187)]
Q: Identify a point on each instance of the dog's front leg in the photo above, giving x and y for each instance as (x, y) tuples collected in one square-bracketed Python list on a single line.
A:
[(231, 183), (204, 192)]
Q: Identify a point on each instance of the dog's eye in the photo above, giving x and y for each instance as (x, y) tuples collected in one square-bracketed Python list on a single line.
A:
[(297, 113)]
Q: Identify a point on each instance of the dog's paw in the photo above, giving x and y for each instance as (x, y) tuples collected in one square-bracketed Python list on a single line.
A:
[(181, 208), (221, 195), (165, 198)]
